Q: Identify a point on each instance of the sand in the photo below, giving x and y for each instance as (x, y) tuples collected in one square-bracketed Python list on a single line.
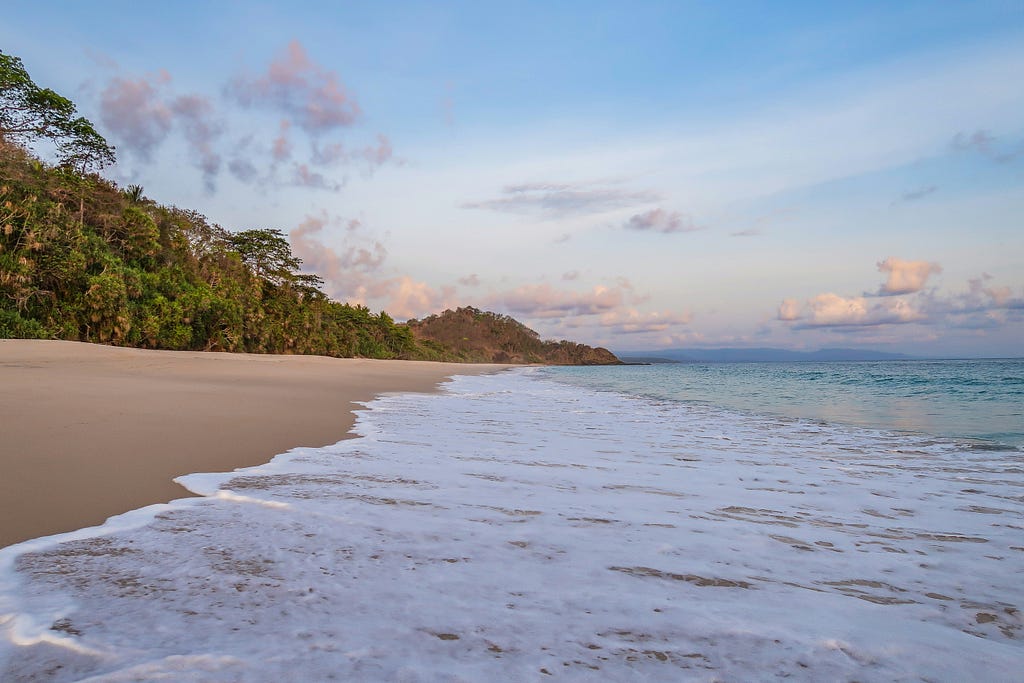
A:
[(90, 431)]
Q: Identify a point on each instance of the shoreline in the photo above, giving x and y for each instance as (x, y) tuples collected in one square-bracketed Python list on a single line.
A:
[(91, 431)]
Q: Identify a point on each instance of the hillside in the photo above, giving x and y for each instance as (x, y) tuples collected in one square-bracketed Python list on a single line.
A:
[(479, 336)]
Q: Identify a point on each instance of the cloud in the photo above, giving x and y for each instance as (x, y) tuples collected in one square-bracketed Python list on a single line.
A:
[(789, 310), (632, 321), (905, 277), (304, 176), (195, 115), (557, 200), (372, 155), (544, 301), (904, 300), (282, 147), (984, 143), (135, 114), (308, 94), (659, 220), (832, 310), (471, 280), (919, 193), (570, 275), (243, 169), (752, 232), (347, 269), (140, 117), (411, 299)]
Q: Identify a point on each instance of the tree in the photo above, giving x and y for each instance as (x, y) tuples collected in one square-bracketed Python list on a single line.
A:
[(269, 254), (29, 113)]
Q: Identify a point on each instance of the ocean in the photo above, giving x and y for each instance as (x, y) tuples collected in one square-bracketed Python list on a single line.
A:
[(714, 523)]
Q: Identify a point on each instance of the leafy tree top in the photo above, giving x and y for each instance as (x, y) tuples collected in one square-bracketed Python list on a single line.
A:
[(29, 113), (269, 254)]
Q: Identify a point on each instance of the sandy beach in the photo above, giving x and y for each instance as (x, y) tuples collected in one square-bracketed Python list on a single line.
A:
[(91, 431)]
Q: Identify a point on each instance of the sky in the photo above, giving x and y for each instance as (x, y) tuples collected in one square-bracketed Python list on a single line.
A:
[(636, 175)]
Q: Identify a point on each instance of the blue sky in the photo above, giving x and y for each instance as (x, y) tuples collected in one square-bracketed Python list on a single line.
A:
[(637, 175)]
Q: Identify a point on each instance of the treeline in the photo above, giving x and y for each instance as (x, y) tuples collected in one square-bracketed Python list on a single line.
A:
[(82, 259)]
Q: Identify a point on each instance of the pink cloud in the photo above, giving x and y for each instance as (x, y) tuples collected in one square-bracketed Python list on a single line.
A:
[(659, 220), (304, 176), (195, 116), (833, 310), (905, 301), (789, 310), (331, 264), (282, 149), (372, 155), (140, 117), (135, 114), (905, 277), (632, 321), (543, 301), (311, 95), (411, 299)]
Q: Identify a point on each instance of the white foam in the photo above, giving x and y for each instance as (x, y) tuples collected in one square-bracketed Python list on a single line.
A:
[(514, 526)]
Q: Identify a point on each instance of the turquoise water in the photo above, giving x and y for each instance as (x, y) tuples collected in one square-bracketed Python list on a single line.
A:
[(981, 401)]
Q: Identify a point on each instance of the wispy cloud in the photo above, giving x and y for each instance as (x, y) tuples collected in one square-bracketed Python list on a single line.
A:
[(919, 194), (140, 115), (632, 321), (304, 176), (201, 130), (659, 220), (985, 143), (308, 94), (544, 301), (135, 113), (346, 268), (558, 200)]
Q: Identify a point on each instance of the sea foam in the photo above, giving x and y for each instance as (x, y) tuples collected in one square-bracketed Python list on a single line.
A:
[(513, 527)]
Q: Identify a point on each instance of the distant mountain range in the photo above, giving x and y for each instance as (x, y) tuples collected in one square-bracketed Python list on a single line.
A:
[(734, 355)]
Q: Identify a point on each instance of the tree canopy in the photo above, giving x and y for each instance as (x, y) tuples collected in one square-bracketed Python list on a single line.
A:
[(29, 113)]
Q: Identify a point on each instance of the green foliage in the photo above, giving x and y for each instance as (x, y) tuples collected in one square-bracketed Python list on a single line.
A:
[(82, 259), (469, 334), (29, 113)]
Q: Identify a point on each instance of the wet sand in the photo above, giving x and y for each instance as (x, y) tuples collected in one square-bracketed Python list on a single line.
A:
[(90, 431)]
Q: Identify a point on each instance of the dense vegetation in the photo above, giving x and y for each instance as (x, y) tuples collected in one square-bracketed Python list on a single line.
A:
[(477, 336), (82, 259)]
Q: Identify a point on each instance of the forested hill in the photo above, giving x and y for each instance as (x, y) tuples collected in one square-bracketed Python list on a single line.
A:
[(483, 337)]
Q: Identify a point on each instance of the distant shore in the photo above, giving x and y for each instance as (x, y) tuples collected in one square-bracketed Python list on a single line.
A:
[(91, 431)]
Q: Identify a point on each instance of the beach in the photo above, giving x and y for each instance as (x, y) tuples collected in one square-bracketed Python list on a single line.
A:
[(90, 431), (515, 526)]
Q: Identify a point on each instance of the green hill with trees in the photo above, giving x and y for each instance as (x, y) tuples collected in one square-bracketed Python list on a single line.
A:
[(83, 259), (477, 336)]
